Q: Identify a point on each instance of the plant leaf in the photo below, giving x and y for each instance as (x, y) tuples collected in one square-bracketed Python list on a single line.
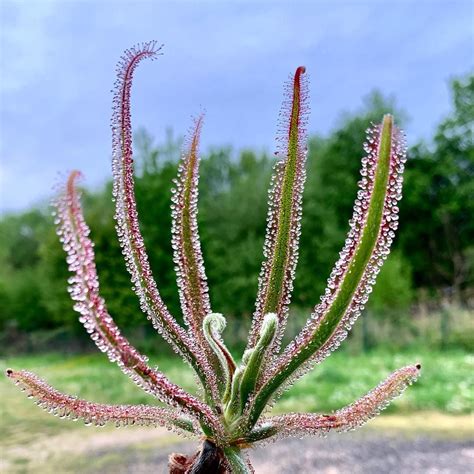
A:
[(213, 325), (232, 409), (128, 229), (84, 290), (284, 212), (187, 255), (256, 358), (67, 406), (345, 419), (368, 243), (191, 276)]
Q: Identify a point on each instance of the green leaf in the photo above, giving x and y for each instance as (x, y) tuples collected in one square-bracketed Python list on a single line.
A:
[(236, 461), (284, 214), (257, 358), (324, 333)]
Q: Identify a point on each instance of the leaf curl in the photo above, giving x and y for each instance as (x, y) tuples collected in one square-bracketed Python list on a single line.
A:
[(213, 325)]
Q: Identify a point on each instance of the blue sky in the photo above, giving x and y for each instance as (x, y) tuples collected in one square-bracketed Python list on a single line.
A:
[(228, 57)]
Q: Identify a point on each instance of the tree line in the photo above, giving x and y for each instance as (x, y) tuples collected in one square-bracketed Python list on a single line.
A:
[(432, 259)]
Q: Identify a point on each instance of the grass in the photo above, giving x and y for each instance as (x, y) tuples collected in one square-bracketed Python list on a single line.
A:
[(34, 441), (445, 386), (446, 382)]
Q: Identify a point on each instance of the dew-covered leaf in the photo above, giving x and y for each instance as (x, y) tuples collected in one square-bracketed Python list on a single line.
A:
[(372, 229), (84, 290), (345, 419), (98, 414), (128, 229), (284, 211)]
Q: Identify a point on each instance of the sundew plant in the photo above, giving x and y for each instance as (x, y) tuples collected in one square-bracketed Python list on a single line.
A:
[(231, 413)]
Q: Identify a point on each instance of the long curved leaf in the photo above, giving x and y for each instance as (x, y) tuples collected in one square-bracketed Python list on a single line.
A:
[(345, 419), (67, 406), (84, 290), (368, 243), (128, 230)]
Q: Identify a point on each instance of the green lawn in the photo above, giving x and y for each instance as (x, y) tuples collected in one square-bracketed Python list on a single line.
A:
[(446, 385)]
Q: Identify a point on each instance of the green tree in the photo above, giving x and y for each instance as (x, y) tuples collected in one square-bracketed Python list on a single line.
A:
[(21, 303), (439, 205), (233, 210), (333, 173)]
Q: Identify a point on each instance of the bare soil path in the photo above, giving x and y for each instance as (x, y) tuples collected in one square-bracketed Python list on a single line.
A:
[(393, 445), (343, 454)]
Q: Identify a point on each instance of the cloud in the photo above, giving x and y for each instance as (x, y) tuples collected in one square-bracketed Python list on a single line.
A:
[(230, 57), (24, 41)]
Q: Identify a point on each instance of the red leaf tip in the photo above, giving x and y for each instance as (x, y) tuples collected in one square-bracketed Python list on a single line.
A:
[(72, 179), (298, 73), (300, 70)]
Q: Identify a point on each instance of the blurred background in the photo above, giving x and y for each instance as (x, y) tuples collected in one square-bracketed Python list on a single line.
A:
[(365, 58)]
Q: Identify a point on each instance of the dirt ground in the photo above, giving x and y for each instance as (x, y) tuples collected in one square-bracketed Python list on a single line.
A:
[(343, 454), (390, 448)]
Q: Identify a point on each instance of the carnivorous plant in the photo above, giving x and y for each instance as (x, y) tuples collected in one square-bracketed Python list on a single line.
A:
[(231, 413)]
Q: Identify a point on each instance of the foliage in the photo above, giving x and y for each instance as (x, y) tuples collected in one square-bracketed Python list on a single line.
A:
[(229, 414), (440, 258), (438, 202), (393, 293)]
